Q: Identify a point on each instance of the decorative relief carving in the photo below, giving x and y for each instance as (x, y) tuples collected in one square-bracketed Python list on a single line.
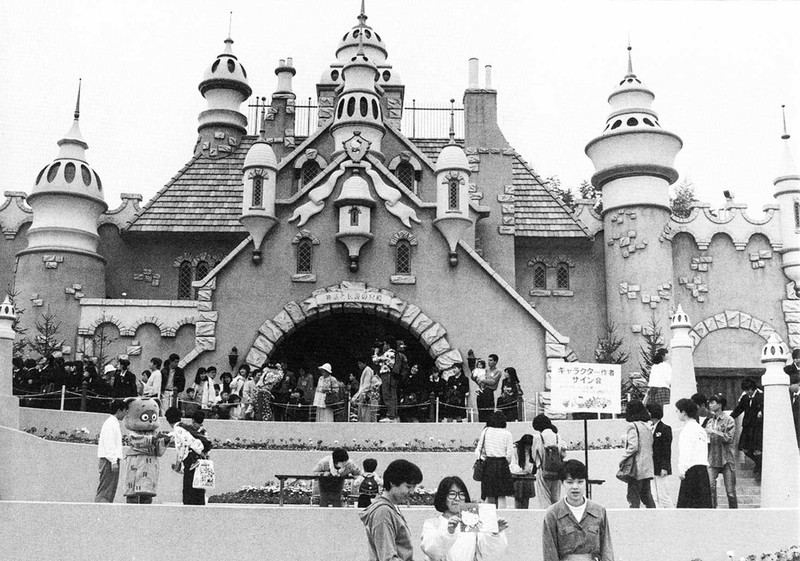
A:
[(697, 287)]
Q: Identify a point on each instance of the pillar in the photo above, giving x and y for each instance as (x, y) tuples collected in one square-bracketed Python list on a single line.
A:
[(9, 405), (681, 359), (780, 479)]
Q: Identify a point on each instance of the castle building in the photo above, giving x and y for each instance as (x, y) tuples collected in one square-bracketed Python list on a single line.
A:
[(309, 247)]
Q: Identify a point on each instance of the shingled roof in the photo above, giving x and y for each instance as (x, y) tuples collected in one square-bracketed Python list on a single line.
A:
[(204, 196), (537, 210)]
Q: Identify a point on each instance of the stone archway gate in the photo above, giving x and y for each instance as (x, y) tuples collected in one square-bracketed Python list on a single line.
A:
[(354, 297)]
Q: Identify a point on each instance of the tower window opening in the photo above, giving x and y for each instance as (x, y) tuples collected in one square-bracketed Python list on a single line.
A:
[(41, 173), (334, 75), (351, 106), (539, 276), (231, 66), (797, 216), (354, 212), (562, 276), (99, 183), (378, 37), (356, 33), (341, 108), (402, 260), (86, 175), (376, 114), (258, 191), (648, 122), (310, 171), (363, 106), (387, 75), (367, 33), (304, 256), (616, 124), (632, 122), (69, 172), (243, 70), (405, 173), (452, 194), (185, 281), (215, 66), (51, 174)]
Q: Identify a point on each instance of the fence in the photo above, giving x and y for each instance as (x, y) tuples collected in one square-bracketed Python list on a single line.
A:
[(431, 121)]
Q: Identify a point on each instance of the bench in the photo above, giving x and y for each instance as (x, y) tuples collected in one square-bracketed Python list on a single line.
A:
[(306, 477)]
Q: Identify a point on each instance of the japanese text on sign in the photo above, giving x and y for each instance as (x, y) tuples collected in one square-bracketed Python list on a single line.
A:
[(585, 387)]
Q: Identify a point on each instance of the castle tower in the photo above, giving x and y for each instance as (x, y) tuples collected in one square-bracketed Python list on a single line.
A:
[(634, 162), (280, 121), (225, 88), (358, 111), (452, 194), (259, 173), (681, 359), (787, 193), (61, 263)]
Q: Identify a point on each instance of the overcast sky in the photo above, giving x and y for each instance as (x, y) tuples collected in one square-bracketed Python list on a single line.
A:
[(720, 72)]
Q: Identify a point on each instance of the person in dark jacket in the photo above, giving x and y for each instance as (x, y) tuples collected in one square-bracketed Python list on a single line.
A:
[(124, 380), (662, 456), (751, 403), (436, 387)]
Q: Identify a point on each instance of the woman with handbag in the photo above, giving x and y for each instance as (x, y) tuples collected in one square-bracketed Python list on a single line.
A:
[(636, 466), (496, 449), (191, 446), (695, 491), (523, 469), (325, 396)]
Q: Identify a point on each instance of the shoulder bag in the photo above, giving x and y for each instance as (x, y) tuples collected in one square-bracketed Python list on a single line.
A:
[(477, 467), (627, 467)]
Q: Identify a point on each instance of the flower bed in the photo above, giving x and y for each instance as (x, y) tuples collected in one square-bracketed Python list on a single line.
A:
[(298, 494), (82, 436), (789, 554)]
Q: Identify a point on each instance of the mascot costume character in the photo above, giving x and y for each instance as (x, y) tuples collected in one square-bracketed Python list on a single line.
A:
[(146, 446)]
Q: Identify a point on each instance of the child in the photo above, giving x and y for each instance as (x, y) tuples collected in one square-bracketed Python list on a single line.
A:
[(368, 485)]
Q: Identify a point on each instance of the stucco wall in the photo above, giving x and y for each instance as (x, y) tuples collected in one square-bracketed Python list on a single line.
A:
[(581, 316), (34, 531), (8, 252), (733, 284)]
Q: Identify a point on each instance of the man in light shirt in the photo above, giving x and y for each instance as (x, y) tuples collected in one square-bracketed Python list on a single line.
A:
[(152, 387), (109, 453)]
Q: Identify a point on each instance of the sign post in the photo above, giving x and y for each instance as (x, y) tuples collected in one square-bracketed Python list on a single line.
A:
[(581, 387)]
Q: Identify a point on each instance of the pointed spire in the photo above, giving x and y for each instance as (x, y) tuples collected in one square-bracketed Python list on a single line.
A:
[(362, 17), (452, 122), (786, 135), (630, 61), (78, 104), (262, 133), (230, 22)]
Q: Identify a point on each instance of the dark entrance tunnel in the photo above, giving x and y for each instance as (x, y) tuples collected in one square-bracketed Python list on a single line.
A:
[(341, 339)]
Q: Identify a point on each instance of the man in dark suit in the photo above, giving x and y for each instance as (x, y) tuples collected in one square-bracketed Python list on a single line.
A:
[(662, 456), (793, 370)]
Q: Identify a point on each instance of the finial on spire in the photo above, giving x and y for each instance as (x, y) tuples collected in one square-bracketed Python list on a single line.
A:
[(262, 133), (630, 62), (78, 104), (786, 135), (452, 122), (362, 17), (230, 23)]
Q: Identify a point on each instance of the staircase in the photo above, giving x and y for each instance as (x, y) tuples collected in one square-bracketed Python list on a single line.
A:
[(748, 492)]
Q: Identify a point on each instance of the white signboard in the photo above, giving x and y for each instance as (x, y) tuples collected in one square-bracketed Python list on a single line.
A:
[(580, 387), (352, 295)]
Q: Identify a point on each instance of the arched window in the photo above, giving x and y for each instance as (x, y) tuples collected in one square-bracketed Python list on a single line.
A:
[(402, 258), (354, 214), (539, 276), (305, 253), (405, 173), (452, 194), (562, 276), (309, 171), (185, 281), (200, 272), (258, 191), (797, 216)]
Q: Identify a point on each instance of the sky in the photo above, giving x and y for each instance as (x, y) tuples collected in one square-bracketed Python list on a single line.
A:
[(720, 72)]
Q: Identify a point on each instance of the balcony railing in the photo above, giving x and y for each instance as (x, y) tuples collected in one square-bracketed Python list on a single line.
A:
[(428, 121)]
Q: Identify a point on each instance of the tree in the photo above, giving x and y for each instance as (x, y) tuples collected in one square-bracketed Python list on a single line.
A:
[(653, 340), (608, 349), (100, 343), (684, 199), (565, 195), (46, 341), (20, 342), (588, 191)]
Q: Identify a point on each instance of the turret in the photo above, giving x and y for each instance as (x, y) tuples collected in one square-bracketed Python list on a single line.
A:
[(355, 204), (358, 107), (280, 120), (787, 193), (452, 194), (225, 88), (258, 202)]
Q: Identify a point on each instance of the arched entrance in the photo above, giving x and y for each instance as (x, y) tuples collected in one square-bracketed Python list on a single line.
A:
[(338, 323)]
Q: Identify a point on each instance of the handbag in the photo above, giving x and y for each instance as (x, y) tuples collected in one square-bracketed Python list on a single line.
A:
[(331, 399), (627, 467), (477, 467), (204, 475)]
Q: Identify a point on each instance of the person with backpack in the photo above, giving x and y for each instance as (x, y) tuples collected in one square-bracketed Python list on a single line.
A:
[(367, 485), (548, 456)]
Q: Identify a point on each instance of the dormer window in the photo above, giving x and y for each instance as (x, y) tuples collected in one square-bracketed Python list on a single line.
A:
[(309, 171), (405, 173)]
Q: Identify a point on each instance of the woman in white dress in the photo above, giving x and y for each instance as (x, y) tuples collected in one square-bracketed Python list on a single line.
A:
[(324, 387)]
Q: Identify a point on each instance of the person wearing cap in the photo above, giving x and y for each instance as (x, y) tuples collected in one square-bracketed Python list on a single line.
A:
[(793, 370), (721, 455), (324, 387)]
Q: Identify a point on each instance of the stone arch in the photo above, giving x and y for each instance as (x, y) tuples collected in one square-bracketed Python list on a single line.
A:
[(355, 297), (150, 319), (731, 319), (106, 319), (403, 235)]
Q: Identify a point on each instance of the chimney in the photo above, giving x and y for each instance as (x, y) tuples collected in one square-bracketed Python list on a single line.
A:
[(488, 83), (473, 74), (285, 71)]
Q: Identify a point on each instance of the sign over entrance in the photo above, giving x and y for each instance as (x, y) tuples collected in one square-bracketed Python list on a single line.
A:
[(579, 387), (352, 295)]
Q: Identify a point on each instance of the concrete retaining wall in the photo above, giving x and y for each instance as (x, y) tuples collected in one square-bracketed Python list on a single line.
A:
[(34, 531)]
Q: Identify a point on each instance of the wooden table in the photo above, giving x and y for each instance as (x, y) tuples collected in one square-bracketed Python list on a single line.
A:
[(283, 477)]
